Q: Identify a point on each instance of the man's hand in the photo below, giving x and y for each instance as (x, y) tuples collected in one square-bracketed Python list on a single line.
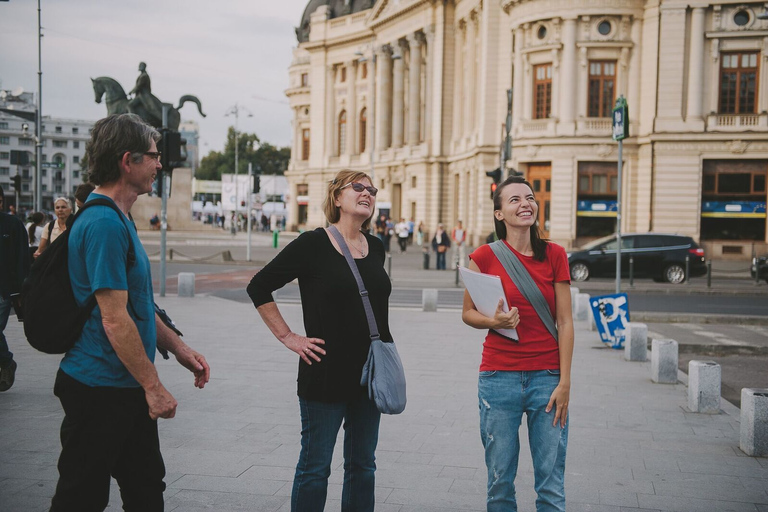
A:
[(161, 403), (196, 363)]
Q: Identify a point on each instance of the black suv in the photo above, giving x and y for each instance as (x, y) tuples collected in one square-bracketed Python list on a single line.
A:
[(760, 265), (661, 257)]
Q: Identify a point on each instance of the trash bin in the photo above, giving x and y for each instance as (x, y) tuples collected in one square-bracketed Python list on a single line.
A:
[(275, 235), (426, 258)]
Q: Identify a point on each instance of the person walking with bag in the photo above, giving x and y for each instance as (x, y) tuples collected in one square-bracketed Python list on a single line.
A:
[(57, 226), (531, 375), (441, 242), (335, 349)]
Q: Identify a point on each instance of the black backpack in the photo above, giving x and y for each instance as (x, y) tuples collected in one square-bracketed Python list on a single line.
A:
[(52, 319)]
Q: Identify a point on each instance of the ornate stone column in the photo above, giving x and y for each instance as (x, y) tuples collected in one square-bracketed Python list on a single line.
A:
[(398, 97), (568, 77), (352, 117), (429, 35), (633, 85), (458, 74), (469, 73), (384, 97), (696, 66), (519, 76), (414, 89), (330, 110)]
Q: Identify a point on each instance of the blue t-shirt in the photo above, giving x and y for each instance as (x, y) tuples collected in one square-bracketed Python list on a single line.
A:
[(98, 255)]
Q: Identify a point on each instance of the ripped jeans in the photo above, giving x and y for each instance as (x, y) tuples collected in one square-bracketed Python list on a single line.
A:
[(503, 398)]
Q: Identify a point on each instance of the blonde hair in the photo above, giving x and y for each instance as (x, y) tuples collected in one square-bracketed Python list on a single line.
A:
[(332, 212)]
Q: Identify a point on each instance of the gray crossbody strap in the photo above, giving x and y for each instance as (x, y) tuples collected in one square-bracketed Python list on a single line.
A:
[(525, 284), (372, 327)]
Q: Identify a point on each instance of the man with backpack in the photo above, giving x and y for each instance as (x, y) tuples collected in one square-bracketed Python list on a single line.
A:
[(14, 266), (107, 382)]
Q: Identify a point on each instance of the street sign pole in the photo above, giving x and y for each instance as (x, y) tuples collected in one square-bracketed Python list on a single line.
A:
[(620, 118), (163, 212), (248, 211)]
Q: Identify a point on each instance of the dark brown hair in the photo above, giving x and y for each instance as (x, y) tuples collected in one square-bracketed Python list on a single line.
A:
[(36, 219), (538, 244), (111, 137)]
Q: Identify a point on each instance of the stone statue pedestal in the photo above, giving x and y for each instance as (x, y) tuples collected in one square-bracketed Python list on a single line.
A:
[(179, 205)]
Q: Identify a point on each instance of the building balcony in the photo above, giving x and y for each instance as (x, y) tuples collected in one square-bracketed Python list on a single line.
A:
[(593, 127), (737, 122), (536, 128)]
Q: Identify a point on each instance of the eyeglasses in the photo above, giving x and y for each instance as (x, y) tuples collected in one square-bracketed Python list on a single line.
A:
[(154, 155), (359, 187)]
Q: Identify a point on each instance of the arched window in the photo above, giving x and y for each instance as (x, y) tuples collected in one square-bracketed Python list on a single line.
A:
[(342, 132), (363, 119)]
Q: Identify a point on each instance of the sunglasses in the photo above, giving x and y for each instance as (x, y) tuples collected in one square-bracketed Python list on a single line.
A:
[(359, 187)]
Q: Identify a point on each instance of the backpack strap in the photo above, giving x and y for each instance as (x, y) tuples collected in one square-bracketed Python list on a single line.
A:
[(524, 282), (50, 229)]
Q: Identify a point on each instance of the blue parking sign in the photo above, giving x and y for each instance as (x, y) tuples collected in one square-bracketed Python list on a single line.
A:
[(611, 313)]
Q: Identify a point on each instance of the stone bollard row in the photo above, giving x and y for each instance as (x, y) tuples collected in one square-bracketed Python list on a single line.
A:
[(664, 361), (753, 439), (186, 284), (429, 299), (704, 379), (574, 293), (581, 313), (636, 342)]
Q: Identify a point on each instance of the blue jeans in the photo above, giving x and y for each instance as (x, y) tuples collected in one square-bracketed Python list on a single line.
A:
[(440, 261), (6, 356), (320, 422), (503, 398)]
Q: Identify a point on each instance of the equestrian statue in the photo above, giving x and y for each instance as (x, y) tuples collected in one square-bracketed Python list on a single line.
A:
[(143, 103)]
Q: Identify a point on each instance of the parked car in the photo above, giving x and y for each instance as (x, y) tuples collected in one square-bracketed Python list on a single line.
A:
[(655, 255), (760, 264)]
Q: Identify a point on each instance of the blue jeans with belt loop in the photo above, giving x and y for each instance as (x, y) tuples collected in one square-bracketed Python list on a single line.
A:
[(320, 423), (503, 398)]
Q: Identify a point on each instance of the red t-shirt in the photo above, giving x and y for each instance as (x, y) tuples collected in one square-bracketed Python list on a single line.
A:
[(537, 349)]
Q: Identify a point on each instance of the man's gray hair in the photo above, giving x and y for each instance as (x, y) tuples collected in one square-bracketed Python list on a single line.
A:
[(111, 138)]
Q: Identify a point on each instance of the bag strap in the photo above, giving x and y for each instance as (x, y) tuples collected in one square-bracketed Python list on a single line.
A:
[(524, 282), (372, 327), (50, 229)]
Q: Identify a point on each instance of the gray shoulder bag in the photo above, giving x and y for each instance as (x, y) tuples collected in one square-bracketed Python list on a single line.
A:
[(525, 284), (383, 372)]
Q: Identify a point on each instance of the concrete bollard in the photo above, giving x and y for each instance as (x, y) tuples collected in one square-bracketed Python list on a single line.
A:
[(636, 342), (574, 293), (186, 284), (704, 379), (582, 307), (592, 320), (664, 361), (754, 422), (429, 299)]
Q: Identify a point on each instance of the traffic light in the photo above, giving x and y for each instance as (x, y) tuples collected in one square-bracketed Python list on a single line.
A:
[(16, 181), (495, 175), (256, 184), (170, 147)]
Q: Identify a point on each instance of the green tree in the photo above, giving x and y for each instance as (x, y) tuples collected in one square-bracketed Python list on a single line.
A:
[(266, 158)]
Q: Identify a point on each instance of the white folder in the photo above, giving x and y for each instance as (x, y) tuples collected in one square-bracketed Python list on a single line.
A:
[(486, 290)]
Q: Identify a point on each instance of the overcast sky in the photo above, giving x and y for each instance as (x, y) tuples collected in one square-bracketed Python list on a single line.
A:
[(222, 51)]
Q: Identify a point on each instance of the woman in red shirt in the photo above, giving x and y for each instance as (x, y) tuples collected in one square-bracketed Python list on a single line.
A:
[(533, 374)]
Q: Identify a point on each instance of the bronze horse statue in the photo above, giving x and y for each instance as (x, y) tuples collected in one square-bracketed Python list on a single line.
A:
[(118, 103)]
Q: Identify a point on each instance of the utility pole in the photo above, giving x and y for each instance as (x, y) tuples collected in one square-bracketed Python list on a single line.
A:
[(39, 116), (620, 121)]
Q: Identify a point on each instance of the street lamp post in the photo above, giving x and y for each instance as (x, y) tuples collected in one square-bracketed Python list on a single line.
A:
[(39, 122), (236, 112)]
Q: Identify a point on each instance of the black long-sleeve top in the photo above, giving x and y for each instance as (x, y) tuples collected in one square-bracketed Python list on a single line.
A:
[(14, 255), (332, 308)]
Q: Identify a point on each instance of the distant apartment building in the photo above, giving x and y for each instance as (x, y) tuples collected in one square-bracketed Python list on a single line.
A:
[(63, 151), (695, 76)]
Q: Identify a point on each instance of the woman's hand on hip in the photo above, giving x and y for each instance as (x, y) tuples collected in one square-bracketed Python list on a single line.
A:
[(508, 320), (560, 398), (308, 348)]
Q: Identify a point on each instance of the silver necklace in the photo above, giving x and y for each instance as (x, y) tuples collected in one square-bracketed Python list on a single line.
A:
[(362, 253)]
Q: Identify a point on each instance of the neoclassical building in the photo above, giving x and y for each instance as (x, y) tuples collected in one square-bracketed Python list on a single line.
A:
[(420, 87)]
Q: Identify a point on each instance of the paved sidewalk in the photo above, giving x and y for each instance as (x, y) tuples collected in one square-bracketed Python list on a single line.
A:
[(233, 446)]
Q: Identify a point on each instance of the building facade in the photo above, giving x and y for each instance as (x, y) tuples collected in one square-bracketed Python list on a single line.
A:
[(63, 151), (419, 87)]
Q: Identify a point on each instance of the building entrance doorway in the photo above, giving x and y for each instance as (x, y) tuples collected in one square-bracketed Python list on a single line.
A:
[(540, 177)]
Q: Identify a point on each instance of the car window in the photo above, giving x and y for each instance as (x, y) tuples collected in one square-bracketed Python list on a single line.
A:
[(649, 241), (597, 244), (627, 242)]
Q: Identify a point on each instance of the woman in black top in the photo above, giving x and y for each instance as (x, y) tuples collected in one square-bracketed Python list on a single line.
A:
[(335, 348)]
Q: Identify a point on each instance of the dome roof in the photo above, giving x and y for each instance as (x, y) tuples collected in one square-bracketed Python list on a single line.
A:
[(336, 8)]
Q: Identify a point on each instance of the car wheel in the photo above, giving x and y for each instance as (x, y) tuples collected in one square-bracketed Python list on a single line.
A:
[(674, 274), (579, 272)]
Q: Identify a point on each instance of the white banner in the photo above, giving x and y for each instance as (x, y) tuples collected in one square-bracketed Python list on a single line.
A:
[(235, 193)]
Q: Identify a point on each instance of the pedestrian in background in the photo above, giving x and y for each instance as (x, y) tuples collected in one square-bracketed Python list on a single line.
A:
[(401, 230), (14, 267), (420, 234), (441, 242), (335, 348), (35, 231), (63, 209), (81, 194), (532, 374), (459, 237)]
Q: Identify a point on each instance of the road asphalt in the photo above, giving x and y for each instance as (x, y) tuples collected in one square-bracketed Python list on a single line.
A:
[(634, 445)]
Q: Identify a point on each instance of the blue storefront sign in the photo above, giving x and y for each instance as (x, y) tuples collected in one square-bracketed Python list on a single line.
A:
[(733, 209), (611, 313), (601, 208)]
